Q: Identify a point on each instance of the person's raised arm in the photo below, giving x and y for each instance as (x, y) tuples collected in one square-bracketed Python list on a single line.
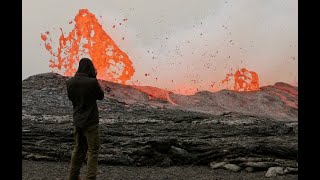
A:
[(98, 90)]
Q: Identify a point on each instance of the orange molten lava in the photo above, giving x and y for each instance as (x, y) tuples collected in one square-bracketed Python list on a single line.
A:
[(156, 93), (244, 80), (89, 39)]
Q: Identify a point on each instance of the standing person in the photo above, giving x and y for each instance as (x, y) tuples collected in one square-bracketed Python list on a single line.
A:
[(83, 91)]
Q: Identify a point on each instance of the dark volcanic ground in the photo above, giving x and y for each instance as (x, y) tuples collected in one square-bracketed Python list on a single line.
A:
[(36, 170), (137, 130)]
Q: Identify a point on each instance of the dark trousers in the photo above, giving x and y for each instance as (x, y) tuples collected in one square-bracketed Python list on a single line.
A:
[(86, 140)]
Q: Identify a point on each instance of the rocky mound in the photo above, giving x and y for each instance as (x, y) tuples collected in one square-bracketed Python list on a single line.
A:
[(278, 102)]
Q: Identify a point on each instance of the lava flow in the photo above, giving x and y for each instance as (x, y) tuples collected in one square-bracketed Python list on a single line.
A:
[(243, 80), (89, 39)]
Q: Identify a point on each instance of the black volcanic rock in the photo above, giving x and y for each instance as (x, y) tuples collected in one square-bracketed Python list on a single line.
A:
[(248, 129)]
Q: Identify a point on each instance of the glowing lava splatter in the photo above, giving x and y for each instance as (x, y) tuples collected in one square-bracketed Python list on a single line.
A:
[(89, 39), (185, 90), (243, 80)]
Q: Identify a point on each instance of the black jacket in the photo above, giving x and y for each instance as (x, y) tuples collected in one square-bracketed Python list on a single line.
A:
[(83, 91)]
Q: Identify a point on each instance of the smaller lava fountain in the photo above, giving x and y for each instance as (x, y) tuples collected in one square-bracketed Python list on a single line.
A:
[(243, 80)]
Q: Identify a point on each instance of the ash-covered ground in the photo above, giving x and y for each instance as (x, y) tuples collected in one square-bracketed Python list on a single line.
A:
[(146, 126)]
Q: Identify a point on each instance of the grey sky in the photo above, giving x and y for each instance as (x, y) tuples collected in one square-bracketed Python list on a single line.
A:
[(189, 39)]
